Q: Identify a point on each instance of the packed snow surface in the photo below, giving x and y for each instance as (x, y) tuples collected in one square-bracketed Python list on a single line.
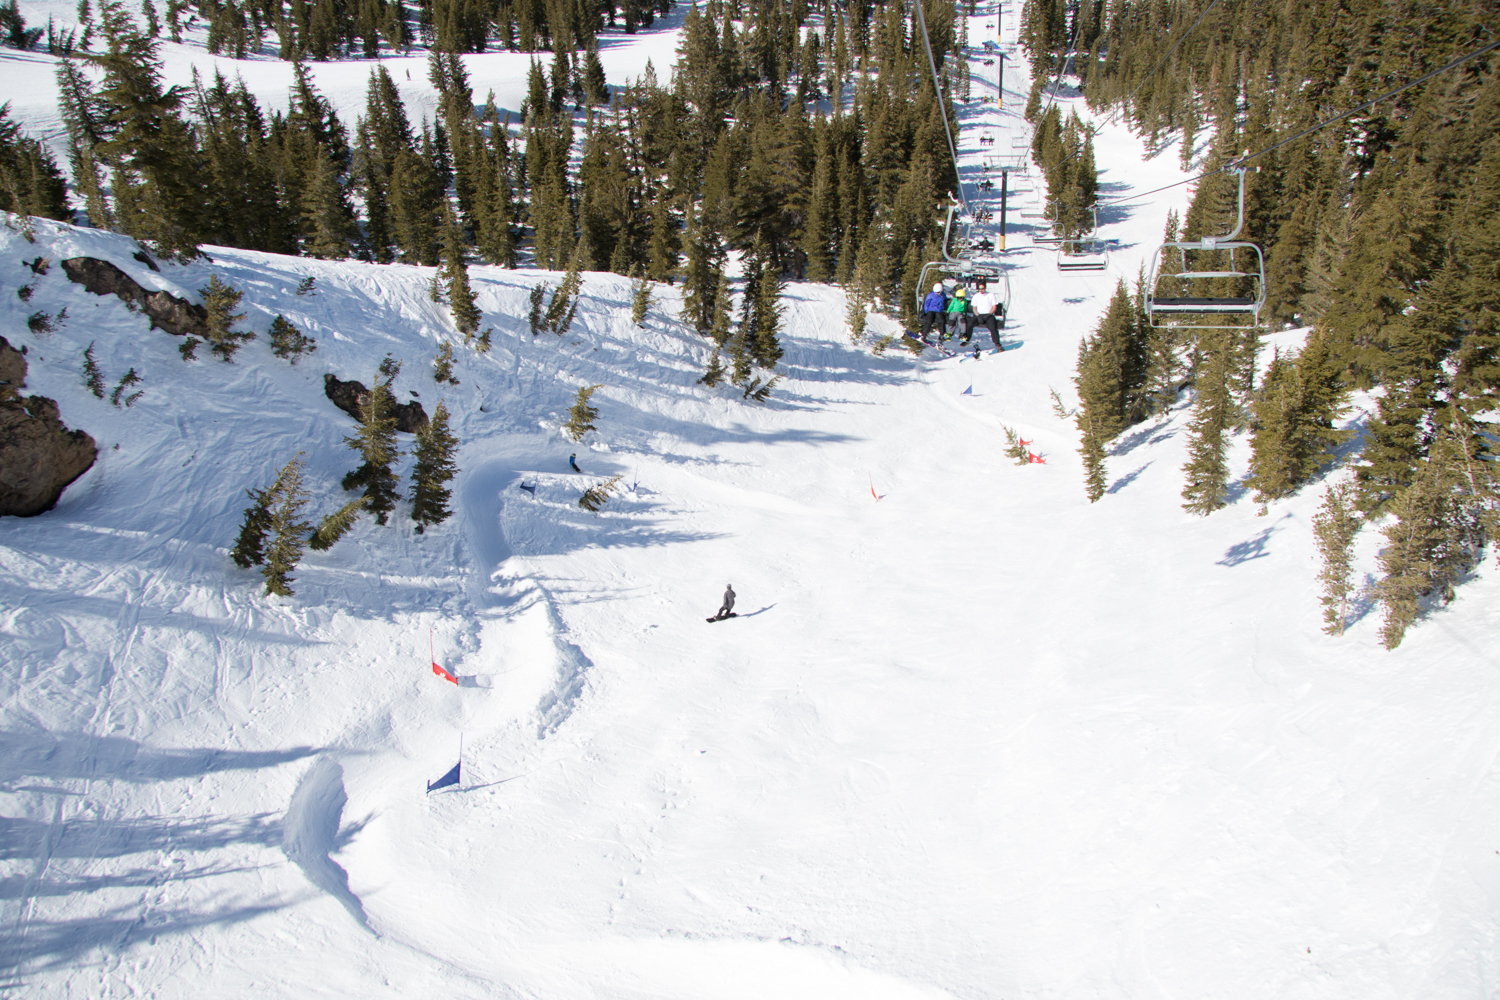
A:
[(977, 738)]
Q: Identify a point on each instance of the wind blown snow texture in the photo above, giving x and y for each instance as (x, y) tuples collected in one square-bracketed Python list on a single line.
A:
[(978, 739)]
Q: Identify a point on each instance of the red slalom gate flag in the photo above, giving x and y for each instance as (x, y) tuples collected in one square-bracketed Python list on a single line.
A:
[(433, 656)]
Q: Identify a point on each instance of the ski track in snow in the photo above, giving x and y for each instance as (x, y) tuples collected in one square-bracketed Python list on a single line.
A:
[(977, 739)]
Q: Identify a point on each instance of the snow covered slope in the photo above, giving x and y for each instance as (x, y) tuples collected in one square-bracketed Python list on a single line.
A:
[(976, 739)]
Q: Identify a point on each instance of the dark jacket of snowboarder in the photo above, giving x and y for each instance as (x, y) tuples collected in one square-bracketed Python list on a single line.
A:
[(728, 605)]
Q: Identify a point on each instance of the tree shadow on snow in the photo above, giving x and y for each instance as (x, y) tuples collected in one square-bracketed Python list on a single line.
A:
[(1127, 479), (41, 754), (51, 944), (1253, 548), (92, 839)]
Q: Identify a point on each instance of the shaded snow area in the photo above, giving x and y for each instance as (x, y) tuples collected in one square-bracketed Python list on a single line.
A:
[(976, 739)]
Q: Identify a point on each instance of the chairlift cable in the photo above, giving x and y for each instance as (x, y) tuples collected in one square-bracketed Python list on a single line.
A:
[(1067, 58), (1147, 78), (937, 92), (1241, 161)]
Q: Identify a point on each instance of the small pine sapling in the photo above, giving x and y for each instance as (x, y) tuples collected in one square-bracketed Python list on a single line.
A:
[(336, 525), (25, 291), (883, 343), (220, 300), (715, 373), (1014, 447), (760, 391), (856, 316), (581, 417), (306, 286), (93, 378), (289, 342), (286, 528), (127, 380), (442, 365), (188, 349), (1334, 527), (534, 318), (641, 301), (1059, 411), (483, 345), (597, 495), (434, 469), (564, 304), (390, 368), (249, 549), (41, 324)]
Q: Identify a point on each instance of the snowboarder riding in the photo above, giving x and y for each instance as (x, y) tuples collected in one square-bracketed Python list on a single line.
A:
[(726, 610), (573, 461)]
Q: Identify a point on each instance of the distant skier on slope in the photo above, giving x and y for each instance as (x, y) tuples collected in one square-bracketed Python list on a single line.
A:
[(726, 610)]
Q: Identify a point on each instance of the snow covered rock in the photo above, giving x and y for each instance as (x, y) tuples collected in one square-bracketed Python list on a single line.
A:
[(350, 396), (168, 312), (39, 456)]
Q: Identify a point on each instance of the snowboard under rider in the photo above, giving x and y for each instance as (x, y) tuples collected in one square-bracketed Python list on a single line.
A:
[(728, 605)]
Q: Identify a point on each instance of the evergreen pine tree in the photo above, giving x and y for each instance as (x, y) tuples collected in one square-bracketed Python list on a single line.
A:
[(461, 298), (442, 365), (723, 322), (640, 300), (714, 374), (1207, 469), (765, 346), (434, 469), (327, 218), (289, 342), (286, 528), (1334, 527), (376, 443), (336, 525), (249, 548), (581, 416), (220, 300), (93, 378)]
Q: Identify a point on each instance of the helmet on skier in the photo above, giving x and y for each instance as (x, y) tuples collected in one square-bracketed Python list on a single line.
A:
[(960, 292), (938, 287)]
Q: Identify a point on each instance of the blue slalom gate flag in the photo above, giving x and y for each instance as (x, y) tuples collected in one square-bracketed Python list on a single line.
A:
[(451, 778), (968, 392)]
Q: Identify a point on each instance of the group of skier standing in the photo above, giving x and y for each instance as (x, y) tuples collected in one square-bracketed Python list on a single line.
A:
[(958, 315)]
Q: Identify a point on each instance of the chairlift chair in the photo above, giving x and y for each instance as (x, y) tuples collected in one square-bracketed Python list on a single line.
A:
[(1091, 254), (1251, 268), (1084, 253)]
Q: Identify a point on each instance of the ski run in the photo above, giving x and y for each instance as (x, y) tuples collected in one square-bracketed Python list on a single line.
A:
[(970, 735)]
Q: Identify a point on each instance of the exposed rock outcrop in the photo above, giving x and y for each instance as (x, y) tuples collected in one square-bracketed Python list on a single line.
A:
[(167, 312), (350, 396), (39, 457), (12, 370)]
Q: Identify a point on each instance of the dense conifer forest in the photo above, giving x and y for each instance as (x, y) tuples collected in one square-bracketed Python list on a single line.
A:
[(808, 138)]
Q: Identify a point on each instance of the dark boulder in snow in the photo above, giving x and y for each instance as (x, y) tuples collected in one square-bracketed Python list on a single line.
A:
[(176, 316), (39, 456), (350, 396)]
